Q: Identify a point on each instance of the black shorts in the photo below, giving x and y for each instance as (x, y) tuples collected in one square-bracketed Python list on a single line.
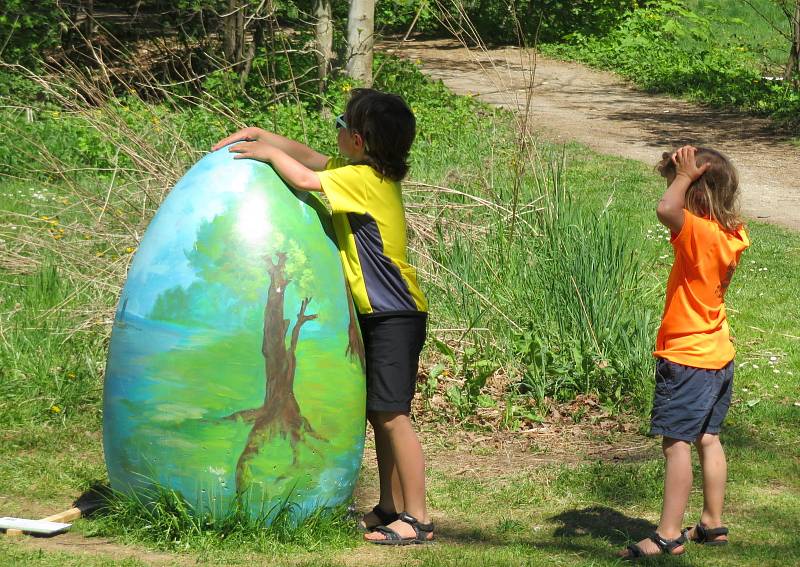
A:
[(690, 401), (392, 344)]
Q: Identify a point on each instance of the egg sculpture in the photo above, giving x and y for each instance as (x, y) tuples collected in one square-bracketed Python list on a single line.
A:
[(235, 372)]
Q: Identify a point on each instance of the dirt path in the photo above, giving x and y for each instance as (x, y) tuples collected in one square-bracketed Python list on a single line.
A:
[(601, 110)]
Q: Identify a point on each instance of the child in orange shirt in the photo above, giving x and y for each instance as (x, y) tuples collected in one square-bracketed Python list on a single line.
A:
[(694, 371)]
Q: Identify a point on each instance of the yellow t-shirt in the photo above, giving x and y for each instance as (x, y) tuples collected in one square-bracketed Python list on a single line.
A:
[(370, 226), (694, 328)]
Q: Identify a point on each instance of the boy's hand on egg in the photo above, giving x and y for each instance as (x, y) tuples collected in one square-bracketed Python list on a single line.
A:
[(245, 134), (257, 150)]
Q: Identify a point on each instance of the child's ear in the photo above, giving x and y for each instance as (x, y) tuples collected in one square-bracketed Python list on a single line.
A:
[(358, 141)]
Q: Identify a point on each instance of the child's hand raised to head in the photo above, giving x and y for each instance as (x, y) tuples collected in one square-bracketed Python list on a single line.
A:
[(244, 135), (686, 164)]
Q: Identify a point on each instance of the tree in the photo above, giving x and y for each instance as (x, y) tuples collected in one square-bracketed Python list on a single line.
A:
[(360, 40), (323, 32), (790, 9), (279, 414), (793, 64)]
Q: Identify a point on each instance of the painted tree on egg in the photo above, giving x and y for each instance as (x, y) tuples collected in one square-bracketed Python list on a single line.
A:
[(222, 244), (279, 414)]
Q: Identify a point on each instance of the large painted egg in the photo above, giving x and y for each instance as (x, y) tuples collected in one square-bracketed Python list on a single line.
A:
[(235, 370)]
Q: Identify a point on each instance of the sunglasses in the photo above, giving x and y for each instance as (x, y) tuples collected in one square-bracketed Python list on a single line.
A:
[(340, 123)]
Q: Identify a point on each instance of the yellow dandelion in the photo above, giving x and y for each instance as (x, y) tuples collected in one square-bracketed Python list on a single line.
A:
[(99, 254), (70, 375), (58, 236), (346, 88), (55, 409), (130, 249), (43, 217)]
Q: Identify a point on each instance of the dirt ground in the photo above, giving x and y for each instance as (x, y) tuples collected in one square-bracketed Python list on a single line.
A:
[(572, 102)]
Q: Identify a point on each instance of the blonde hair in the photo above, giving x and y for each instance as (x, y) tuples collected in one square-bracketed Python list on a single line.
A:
[(714, 194)]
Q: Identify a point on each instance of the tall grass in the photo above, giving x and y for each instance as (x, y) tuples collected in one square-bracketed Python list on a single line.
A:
[(560, 301)]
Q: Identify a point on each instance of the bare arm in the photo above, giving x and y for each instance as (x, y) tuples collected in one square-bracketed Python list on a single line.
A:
[(299, 152), (293, 172), (670, 207)]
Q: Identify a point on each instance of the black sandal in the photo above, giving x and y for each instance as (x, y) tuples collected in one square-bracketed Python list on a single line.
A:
[(667, 546), (421, 532), (706, 536), (384, 518)]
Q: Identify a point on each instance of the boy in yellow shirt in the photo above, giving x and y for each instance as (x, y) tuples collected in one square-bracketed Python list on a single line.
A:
[(363, 188)]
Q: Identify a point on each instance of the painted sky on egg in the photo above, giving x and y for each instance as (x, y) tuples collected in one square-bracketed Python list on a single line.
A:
[(157, 268)]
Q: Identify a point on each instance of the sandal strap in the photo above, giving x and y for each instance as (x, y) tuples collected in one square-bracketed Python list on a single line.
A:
[(384, 516), (390, 534), (704, 533), (635, 551), (667, 546), (419, 528)]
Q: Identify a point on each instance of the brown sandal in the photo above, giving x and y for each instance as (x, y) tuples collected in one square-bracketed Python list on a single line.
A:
[(384, 518), (707, 536), (421, 532)]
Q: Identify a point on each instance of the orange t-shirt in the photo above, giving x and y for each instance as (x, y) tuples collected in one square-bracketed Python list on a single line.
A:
[(694, 328)]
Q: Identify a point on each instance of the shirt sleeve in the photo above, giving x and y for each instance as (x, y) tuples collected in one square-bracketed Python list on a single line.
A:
[(343, 186)]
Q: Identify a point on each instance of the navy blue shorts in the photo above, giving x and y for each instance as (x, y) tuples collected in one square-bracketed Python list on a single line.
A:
[(690, 401), (392, 345)]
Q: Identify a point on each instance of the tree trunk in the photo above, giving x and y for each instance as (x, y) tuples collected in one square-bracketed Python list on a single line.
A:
[(360, 38), (323, 31), (793, 65), (279, 414), (87, 24), (233, 33)]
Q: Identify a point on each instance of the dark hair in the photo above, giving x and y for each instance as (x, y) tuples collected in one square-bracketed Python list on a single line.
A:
[(714, 194), (387, 126)]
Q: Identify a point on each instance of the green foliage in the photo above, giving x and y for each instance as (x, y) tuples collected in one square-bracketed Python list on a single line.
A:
[(29, 28), (525, 21), (168, 522), (669, 48)]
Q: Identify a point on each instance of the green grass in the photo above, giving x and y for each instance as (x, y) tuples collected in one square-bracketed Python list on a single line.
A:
[(550, 514), (737, 22)]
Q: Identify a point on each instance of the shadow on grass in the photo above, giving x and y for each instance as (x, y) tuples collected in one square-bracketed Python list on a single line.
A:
[(601, 522)]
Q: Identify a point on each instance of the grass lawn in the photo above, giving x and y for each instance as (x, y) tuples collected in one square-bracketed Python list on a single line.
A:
[(565, 493)]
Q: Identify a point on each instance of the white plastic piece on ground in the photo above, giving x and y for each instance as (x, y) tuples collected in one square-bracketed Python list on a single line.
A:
[(33, 526)]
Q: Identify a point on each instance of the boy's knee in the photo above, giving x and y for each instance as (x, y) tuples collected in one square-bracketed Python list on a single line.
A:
[(706, 440), (672, 446), (386, 420)]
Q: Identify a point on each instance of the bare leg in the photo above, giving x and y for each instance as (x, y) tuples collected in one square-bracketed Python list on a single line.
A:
[(677, 486), (715, 475), (391, 493), (410, 465)]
